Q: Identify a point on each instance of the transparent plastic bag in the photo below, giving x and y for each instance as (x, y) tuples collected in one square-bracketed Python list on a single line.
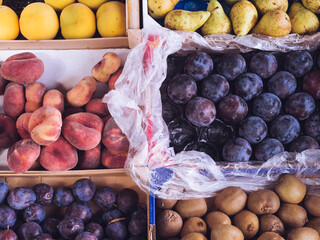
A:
[(136, 106)]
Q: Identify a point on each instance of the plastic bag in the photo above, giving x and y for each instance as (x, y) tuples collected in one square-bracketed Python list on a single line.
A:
[(151, 163)]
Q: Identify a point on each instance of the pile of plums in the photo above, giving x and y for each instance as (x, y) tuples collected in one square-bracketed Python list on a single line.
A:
[(241, 107), (23, 213)]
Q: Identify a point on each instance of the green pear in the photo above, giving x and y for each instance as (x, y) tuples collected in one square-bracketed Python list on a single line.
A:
[(186, 20), (231, 2), (312, 5), (303, 21), (243, 16), (264, 6), (274, 23), (159, 8), (218, 22)]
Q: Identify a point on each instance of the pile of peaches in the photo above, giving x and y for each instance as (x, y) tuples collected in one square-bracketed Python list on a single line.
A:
[(56, 132)]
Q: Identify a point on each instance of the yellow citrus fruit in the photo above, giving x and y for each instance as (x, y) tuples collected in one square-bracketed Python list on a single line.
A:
[(9, 24), (77, 21), (93, 4), (39, 21), (111, 19), (59, 4), (0, 2)]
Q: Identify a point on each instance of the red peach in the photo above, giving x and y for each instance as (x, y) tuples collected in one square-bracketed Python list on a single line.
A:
[(22, 125), (3, 84), (114, 77), (34, 96), (110, 160), (8, 131), (90, 159), (13, 100), (71, 110), (109, 64), (55, 99), (96, 106)]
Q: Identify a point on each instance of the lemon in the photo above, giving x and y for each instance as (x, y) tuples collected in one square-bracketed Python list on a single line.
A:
[(0, 2), (77, 21), (93, 4), (59, 4), (111, 19), (39, 21), (9, 24)]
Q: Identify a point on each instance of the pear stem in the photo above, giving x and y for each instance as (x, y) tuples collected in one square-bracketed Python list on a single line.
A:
[(217, 7)]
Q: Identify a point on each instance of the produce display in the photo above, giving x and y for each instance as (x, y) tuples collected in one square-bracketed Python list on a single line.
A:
[(47, 129), (241, 107), (50, 19), (239, 17), (286, 211), (81, 211)]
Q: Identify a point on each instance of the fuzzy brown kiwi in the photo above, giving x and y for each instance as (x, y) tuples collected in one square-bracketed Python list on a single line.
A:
[(263, 201), (303, 233), (247, 222), (215, 218), (226, 232), (292, 215), (270, 236), (165, 203), (312, 204), (194, 224), (290, 188), (194, 236), (271, 223), (169, 224), (315, 224), (191, 208)]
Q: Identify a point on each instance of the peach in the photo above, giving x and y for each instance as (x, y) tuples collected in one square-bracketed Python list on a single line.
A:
[(110, 160), (8, 131), (23, 68), (113, 138), (83, 130), (55, 99), (45, 125), (71, 110), (96, 106), (81, 94), (22, 124), (114, 77), (14, 100), (90, 159), (22, 155), (59, 156), (109, 64), (3, 84), (34, 96)]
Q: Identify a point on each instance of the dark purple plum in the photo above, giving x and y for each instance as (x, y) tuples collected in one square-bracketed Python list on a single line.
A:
[(172, 67), (253, 129), (20, 198), (248, 85), (264, 64), (105, 197), (267, 149), (200, 111), (285, 128), (169, 111), (86, 236), (207, 148), (117, 229), (70, 227), (29, 230), (302, 143), (137, 238), (50, 225), (83, 189), (311, 84), (8, 234), (43, 236), (181, 133), (95, 229), (182, 88), (215, 87), (138, 224), (44, 193), (312, 126), (80, 210), (111, 214), (232, 109), (231, 65), (282, 84), (299, 63), (63, 197), (34, 213), (8, 217), (127, 200), (300, 105), (236, 150), (267, 106), (198, 65), (4, 190)]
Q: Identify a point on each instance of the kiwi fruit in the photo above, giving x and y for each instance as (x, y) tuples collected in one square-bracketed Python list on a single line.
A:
[(191, 208), (263, 202), (247, 222), (290, 188), (303, 233), (231, 200), (194, 236), (312, 204), (271, 223), (226, 232), (169, 224), (165, 203), (194, 224), (270, 236), (315, 224), (292, 215), (215, 218)]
